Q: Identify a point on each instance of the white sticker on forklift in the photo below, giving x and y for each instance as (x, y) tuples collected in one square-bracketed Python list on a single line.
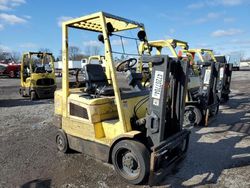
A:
[(157, 85), (207, 76), (156, 102), (221, 73)]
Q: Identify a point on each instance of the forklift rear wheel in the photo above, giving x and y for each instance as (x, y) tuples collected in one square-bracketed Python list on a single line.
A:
[(192, 115), (33, 95), (131, 161), (62, 141)]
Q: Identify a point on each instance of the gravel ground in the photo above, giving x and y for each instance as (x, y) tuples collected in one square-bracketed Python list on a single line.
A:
[(218, 155)]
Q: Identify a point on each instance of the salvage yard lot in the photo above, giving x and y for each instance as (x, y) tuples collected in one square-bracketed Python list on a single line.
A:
[(218, 155)]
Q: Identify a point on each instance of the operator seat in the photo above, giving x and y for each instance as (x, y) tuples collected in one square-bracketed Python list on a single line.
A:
[(96, 81)]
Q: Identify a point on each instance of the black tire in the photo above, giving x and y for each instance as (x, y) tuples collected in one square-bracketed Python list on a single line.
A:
[(131, 161), (18, 74), (192, 116), (62, 141), (12, 74), (214, 111), (33, 95), (225, 97), (21, 92)]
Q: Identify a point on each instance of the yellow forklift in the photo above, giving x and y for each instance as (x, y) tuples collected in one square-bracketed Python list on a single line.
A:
[(37, 75), (209, 70), (201, 92), (137, 129)]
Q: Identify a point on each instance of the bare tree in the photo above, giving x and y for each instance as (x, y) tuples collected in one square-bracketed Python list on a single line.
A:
[(9, 56), (1, 54), (16, 56), (87, 50), (5, 56), (74, 54), (96, 50), (74, 51), (242, 55), (59, 57), (92, 50)]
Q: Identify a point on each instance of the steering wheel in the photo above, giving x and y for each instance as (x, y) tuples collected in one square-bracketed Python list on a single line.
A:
[(126, 65)]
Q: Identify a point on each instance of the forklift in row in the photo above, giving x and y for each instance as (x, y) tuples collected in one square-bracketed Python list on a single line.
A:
[(209, 70), (37, 75), (225, 76), (224, 70), (137, 129), (201, 99)]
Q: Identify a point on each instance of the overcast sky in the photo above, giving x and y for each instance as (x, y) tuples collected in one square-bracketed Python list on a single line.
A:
[(223, 25)]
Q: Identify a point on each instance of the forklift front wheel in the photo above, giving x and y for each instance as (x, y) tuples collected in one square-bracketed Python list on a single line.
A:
[(21, 92), (225, 97), (131, 161), (192, 115), (62, 141), (33, 95), (214, 111)]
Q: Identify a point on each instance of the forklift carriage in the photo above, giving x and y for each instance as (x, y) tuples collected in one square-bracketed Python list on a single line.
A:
[(209, 99), (136, 129), (225, 77)]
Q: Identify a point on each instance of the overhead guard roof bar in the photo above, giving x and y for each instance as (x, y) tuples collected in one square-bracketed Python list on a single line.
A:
[(200, 50), (93, 22), (159, 43)]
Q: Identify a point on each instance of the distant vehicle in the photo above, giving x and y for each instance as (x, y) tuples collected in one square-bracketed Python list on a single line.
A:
[(234, 58), (10, 69), (73, 67), (245, 64), (37, 75)]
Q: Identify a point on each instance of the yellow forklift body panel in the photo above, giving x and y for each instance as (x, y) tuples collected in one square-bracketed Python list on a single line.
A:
[(102, 117)]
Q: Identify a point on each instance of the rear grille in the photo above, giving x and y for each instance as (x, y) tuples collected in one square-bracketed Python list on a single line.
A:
[(45, 82), (78, 111)]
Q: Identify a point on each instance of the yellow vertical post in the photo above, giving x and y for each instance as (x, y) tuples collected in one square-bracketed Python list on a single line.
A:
[(112, 72), (200, 56), (22, 70), (65, 71), (43, 58), (173, 51), (30, 62), (53, 68), (141, 52), (212, 56), (158, 50), (52, 63)]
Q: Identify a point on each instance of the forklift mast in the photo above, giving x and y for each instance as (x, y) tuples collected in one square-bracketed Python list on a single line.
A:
[(167, 97), (209, 75), (227, 78)]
